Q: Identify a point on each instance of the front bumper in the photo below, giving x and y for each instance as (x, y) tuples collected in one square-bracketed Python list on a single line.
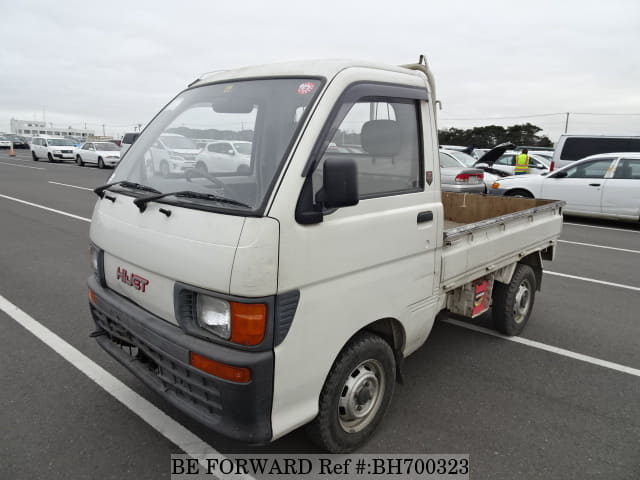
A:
[(68, 156), (158, 354)]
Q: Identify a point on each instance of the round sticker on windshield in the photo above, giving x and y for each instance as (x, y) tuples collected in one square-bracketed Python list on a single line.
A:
[(306, 87)]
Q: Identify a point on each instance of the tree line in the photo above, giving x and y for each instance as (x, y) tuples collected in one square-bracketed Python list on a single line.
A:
[(491, 135)]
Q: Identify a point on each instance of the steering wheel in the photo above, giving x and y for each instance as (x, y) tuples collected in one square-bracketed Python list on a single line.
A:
[(197, 173)]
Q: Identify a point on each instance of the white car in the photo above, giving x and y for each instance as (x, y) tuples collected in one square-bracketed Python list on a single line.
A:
[(5, 142), (466, 161), (173, 153), (53, 149), (225, 157), (103, 154), (506, 163), (605, 185)]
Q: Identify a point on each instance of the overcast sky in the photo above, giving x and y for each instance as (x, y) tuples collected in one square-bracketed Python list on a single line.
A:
[(119, 62)]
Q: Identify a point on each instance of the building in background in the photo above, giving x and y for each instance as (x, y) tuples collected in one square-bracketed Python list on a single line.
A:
[(34, 127)]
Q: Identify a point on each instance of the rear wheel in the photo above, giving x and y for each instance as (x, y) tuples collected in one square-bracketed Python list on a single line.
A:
[(34, 156), (355, 396), (79, 161), (513, 302)]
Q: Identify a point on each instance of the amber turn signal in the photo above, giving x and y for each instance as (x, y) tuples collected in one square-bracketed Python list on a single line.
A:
[(92, 296), (221, 370), (248, 322)]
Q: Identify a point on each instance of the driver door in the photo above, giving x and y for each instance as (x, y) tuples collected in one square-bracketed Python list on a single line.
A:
[(582, 187)]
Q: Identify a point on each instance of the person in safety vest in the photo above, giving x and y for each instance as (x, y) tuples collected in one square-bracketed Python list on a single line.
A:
[(522, 162)]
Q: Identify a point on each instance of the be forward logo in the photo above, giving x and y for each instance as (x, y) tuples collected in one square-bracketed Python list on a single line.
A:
[(131, 279)]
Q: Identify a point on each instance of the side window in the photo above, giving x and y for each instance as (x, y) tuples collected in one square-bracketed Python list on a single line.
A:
[(447, 161), (382, 136), (594, 169), (628, 169)]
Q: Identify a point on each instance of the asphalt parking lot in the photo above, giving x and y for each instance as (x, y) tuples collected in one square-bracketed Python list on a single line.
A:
[(562, 403)]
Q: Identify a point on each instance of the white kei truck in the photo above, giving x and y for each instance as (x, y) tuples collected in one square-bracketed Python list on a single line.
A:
[(289, 293)]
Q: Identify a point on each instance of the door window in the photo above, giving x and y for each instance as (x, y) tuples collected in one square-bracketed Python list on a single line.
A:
[(594, 169), (628, 169), (382, 136)]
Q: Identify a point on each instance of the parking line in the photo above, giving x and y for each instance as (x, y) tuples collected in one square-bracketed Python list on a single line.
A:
[(549, 348), (46, 208), (605, 228), (600, 246), (173, 431), (72, 186), (593, 280), (22, 166)]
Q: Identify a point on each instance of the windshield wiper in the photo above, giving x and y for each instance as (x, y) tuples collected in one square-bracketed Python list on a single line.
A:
[(137, 186), (141, 203)]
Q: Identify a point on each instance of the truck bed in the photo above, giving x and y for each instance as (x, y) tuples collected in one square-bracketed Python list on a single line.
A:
[(485, 233)]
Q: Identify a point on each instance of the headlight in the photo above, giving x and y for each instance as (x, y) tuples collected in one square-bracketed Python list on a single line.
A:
[(94, 255), (214, 315)]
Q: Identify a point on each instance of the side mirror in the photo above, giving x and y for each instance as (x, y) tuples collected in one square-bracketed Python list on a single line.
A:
[(231, 152), (340, 182), (560, 174), (481, 165)]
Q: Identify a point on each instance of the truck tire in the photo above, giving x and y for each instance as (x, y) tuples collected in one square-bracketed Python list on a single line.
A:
[(355, 395), (512, 303)]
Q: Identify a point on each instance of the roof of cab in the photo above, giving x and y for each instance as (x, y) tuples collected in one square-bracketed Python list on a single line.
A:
[(312, 68)]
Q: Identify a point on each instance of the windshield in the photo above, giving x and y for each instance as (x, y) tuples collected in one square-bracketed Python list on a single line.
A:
[(60, 142), (107, 147), (243, 147), (178, 142), (260, 117)]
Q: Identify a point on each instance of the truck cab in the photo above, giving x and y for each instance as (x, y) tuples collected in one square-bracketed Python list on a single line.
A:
[(289, 292)]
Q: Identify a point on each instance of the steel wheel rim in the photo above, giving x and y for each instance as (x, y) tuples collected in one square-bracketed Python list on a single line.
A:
[(522, 301), (361, 396)]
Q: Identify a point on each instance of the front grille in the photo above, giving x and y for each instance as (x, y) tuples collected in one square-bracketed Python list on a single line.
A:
[(66, 151), (172, 376)]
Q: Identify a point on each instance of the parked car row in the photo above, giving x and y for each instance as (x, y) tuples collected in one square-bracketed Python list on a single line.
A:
[(604, 185)]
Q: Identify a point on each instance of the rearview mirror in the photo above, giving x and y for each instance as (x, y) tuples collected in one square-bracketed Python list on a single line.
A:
[(340, 179), (232, 105)]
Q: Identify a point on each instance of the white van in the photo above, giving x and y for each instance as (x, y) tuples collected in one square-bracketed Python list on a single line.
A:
[(570, 148), (53, 149), (127, 141)]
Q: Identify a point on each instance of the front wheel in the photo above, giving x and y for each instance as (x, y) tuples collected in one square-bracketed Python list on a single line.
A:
[(50, 158), (355, 396), (512, 303), (100, 162), (34, 156), (79, 161)]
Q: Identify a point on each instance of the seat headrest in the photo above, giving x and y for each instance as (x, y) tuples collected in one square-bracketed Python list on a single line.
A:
[(381, 137)]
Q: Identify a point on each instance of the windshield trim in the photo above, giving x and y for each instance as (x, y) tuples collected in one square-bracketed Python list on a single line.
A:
[(260, 209)]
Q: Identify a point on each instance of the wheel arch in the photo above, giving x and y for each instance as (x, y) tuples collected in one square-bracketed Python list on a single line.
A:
[(514, 191), (390, 330), (534, 260)]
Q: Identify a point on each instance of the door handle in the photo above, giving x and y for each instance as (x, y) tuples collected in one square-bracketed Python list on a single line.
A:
[(594, 184), (425, 216)]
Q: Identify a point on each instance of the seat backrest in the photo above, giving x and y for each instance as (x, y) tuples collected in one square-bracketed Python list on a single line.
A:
[(381, 138)]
